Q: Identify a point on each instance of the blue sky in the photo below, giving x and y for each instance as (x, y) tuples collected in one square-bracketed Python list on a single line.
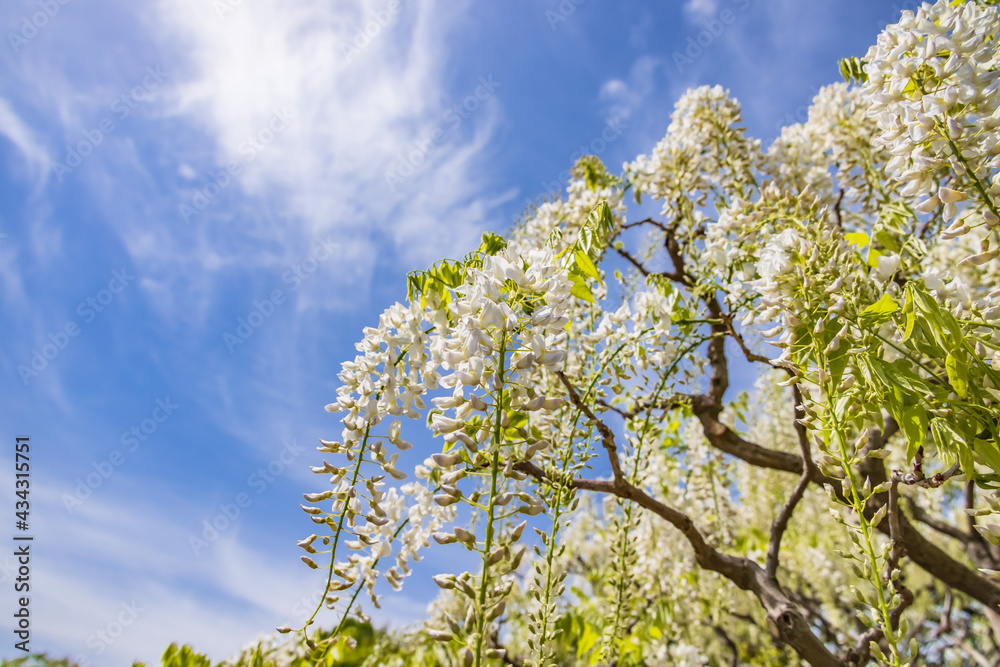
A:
[(203, 202)]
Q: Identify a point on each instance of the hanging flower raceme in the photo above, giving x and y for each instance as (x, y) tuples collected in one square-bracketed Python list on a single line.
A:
[(366, 518), (704, 150), (503, 321), (934, 88)]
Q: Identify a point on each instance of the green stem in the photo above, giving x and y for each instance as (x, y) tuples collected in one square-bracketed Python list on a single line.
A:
[(340, 527), (494, 482), (858, 504)]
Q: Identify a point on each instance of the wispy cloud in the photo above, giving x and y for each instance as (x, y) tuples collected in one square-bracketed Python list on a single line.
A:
[(701, 10), (621, 97), (234, 592), (23, 137), (354, 110)]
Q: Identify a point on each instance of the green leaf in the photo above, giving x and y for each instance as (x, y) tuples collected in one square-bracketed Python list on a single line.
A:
[(958, 375), (887, 241), (987, 450), (580, 288), (595, 232), (492, 244), (583, 262), (853, 70), (879, 312), (873, 256), (859, 239), (594, 173), (914, 425), (939, 317), (901, 376), (587, 641), (911, 317)]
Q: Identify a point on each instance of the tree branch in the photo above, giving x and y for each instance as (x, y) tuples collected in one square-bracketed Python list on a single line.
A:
[(808, 470), (918, 514)]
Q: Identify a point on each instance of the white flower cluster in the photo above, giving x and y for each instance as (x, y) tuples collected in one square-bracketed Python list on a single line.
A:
[(839, 120), (835, 141), (640, 338), (704, 149), (767, 255), (934, 90), (512, 306), (504, 322), (386, 379), (798, 160)]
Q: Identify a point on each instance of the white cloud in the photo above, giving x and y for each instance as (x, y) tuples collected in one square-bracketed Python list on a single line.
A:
[(620, 98), (235, 591), (701, 10), (355, 112), (23, 137)]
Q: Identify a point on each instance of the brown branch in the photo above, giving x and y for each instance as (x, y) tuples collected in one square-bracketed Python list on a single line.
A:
[(781, 524), (625, 414), (924, 553), (785, 619), (679, 274), (808, 471), (645, 221), (727, 327), (896, 556), (725, 439), (921, 551), (730, 644), (919, 514), (607, 436), (836, 210), (627, 255)]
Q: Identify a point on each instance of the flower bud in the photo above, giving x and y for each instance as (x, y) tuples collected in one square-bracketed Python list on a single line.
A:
[(516, 535), (949, 196), (444, 500), (446, 460), (464, 536)]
